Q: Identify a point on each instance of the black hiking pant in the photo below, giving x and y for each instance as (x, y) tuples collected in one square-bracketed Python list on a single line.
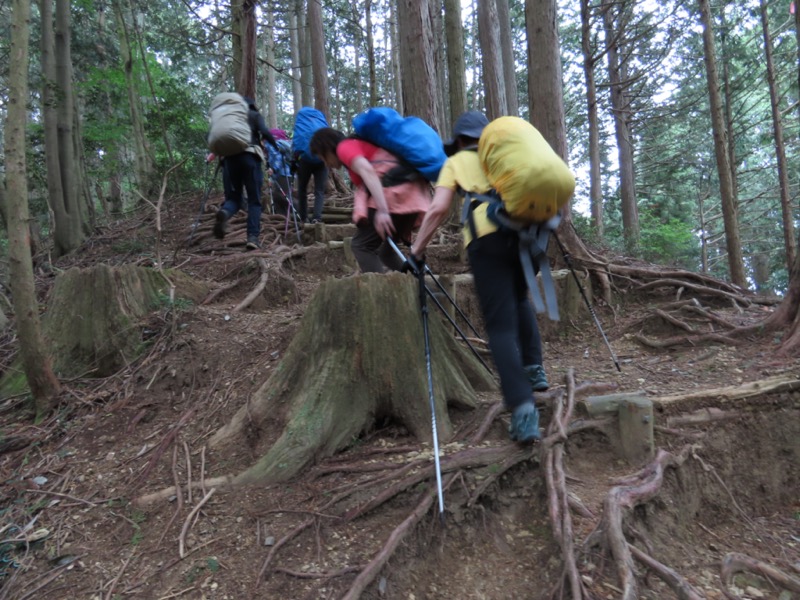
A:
[(514, 338), (305, 169)]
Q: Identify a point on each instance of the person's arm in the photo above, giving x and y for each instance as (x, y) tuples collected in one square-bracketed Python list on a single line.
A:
[(262, 129), (383, 220), (436, 215)]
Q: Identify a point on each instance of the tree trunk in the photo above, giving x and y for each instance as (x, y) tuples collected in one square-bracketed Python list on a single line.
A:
[(620, 107), (294, 49), (415, 39), (151, 86), (63, 180), (269, 33), (595, 184), (729, 208), (439, 62), (237, 9), (373, 77), (319, 64), (367, 363), (358, 40), (509, 64), (145, 169), (456, 71), (789, 242), (786, 317), (491, 59), (306, 75), (35, 361), (797, 45), (397, 71), (246, 85), (545, 85)]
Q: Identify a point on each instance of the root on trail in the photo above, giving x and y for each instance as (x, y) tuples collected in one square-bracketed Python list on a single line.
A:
[(609, 534), (735, 562)]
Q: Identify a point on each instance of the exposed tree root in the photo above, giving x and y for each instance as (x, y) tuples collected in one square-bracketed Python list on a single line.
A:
[(736, 563), (636, 490), (558, 497), (371, 571), (386, 479), (694, 340), (682, 588)]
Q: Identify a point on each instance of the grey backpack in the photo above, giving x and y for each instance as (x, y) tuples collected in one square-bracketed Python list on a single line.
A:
[(230, 128)]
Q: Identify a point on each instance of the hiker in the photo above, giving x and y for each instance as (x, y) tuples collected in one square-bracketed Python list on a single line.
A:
[(243, 172), (280, 170), (494, 259), (390, 198), (306, 165)]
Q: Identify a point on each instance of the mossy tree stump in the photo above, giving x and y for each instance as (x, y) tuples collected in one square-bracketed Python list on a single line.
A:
[(94, 315), (358, 356)]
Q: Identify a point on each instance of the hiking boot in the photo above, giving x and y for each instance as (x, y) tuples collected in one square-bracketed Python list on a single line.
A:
[(252, 243), (537, 377), (524, 426), (221, 224)]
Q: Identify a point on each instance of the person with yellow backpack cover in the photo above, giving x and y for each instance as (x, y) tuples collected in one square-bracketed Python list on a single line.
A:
[(493, 222)]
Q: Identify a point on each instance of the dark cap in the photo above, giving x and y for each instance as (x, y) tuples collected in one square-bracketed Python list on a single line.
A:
[(470, 125)]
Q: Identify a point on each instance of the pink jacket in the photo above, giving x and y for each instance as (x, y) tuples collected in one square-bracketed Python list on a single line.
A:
[(402, 199)]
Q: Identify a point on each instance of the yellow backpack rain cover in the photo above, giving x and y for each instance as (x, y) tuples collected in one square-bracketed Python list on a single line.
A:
[(530, 177)]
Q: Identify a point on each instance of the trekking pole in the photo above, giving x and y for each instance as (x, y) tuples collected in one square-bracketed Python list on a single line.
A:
[(423, 305), (271, 197), (209, 182), (568, 260), (291, 209), (452, 301), (445, 313)]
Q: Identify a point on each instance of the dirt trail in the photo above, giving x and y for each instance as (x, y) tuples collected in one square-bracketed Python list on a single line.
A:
[(737, 490)]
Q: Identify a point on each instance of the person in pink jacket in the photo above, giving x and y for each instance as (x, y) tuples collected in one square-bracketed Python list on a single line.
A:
[(391, 198)]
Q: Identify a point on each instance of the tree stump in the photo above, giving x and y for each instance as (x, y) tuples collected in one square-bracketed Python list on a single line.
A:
[(358, 357), (94, 315)]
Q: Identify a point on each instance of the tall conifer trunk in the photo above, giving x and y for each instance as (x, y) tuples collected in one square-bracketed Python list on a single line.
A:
[(36, 363)]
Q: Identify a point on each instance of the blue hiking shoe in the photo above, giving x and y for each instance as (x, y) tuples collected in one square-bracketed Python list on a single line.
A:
[(524, 426), (537, 377)]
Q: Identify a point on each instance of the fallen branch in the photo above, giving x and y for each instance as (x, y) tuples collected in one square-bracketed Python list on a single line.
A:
[(188, 523)]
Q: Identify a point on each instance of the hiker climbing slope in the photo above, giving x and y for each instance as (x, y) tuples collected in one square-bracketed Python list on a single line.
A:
[(381, 207), (280, 160), (306, 123), (494, 258), (237, 131)]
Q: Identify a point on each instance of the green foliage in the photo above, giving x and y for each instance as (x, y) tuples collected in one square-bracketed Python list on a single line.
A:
[(669, 242)]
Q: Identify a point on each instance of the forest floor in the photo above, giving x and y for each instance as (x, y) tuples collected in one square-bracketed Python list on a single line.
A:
[(69, 526)]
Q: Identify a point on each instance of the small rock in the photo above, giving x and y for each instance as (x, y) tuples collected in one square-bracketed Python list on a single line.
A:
[(269, 541), (754, 592)]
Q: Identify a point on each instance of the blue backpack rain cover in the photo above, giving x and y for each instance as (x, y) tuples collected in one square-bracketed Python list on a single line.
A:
[(409, 138), (307, 122)]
